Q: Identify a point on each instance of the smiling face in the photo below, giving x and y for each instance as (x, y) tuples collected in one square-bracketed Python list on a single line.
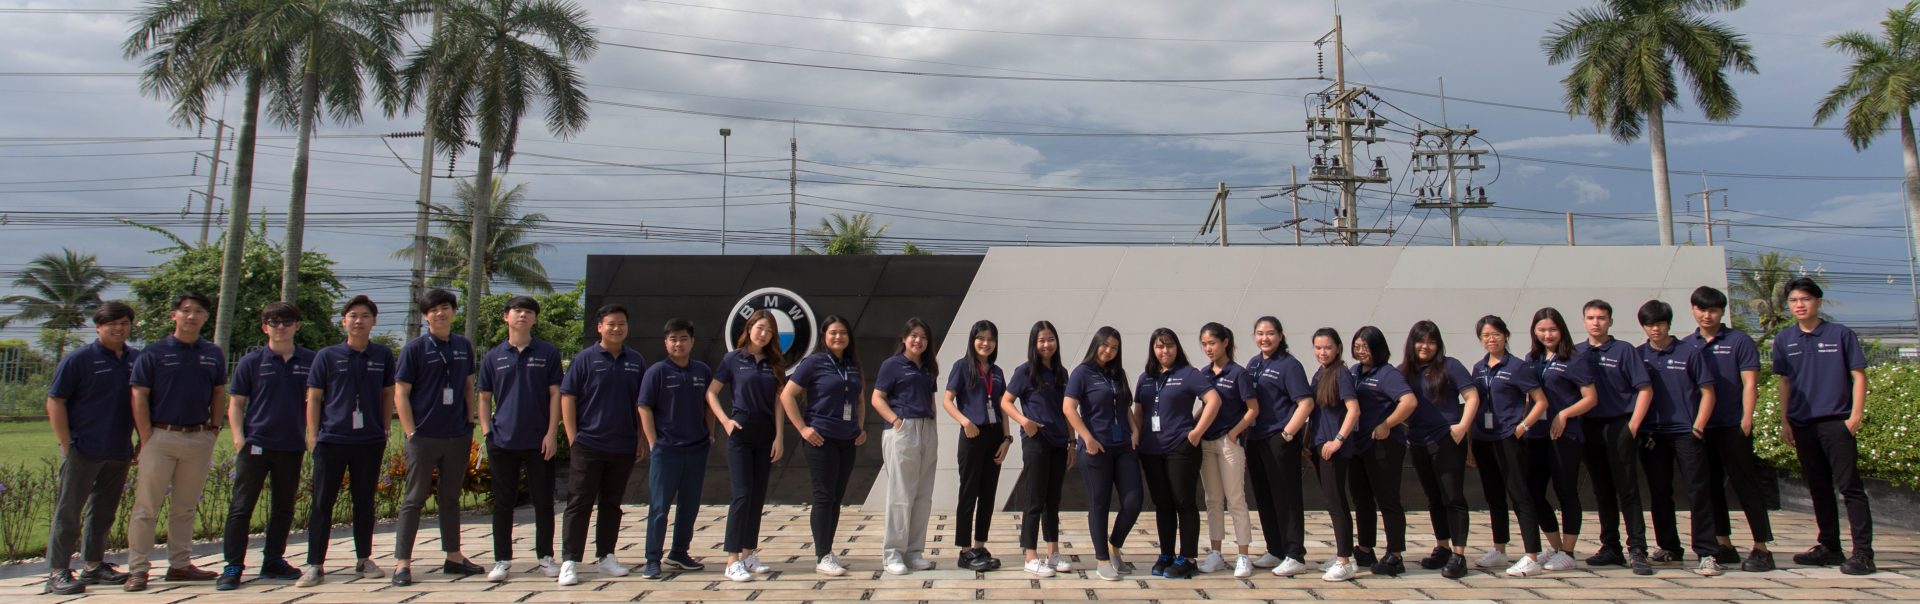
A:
[(915, 343), (279, 331), (1494, 341), (114, 334), (440, 318), (837, 337), (613, 328), (679, 345), (1266, 336), (1548, 333), (1163, 351), (1109, 350), (1325, 350), (985, 344), (1425, 349), (761, 333), (1361, 353), (1047, 344)]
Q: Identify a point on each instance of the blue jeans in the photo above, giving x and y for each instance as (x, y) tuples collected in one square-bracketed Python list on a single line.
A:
[(673, 480)]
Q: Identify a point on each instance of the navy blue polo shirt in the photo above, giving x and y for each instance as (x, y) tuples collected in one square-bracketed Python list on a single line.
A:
[(1327, 419), (1279, 383), (351, 382), (752, 383), (1173, 397), (432, 366), (1560, 379), (1618, 376), (1504, 397), (907, 386), (604, 388), (1818, 366), (1380, 389), (182, 378), (1732, 352), (1042, 397), (276, 391), (978, 399), (96, 385), (833, 387), (678, 397), (519, 381), (1235, 388), (1439, 407), (1678, 373), (1100, 406)]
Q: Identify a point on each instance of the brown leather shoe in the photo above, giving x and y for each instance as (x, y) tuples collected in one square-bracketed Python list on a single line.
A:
[(190, 573), (136, 581)]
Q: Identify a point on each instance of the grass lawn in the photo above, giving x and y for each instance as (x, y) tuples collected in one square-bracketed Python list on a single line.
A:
[(32, 441)]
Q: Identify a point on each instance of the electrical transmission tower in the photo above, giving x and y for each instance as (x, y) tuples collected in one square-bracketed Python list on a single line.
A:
[(1447, 150), (1347, 106)]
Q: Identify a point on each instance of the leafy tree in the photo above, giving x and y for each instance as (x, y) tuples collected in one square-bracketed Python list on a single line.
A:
[(509, 254), (196, 268), (841, 235), (1623, 56), (1881, 87), (1759, 291), (913, 250), (64, 291), (562, 320)]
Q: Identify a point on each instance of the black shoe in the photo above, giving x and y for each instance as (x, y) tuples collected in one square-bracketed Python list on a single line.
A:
[(979, 561), (1638, 560), (1389, 566), (1456, 567), (1181, 568), (966, 558), (402, 577), (1609, 555), (651, 570), (1819, 555), (1859, 564), (63, 583), (1439, 558), (1667, 556), (1160, 565), (103, 574), (229, 578), (992, 562), (278, 569), (464, 568), (1727, 555), (1363, 556), (682, 561), (1758, 561)]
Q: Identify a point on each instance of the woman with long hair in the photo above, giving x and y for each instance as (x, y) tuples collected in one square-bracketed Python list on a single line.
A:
[(1437, 433), (1336, 443), (1223, 457), (973, 388), (1274, 447), (1511, 403), (1385, 403), (1096, 405), (755, 372), (1554, 449), (831, 425), (1033, 401), (903, 396), (1170, 448)]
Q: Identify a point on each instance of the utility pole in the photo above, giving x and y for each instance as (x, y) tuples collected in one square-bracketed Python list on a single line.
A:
[(1448, 144), (213, 180), (417, 277), (1320, 128), (793, 196), (1706, 205), (725, 133), (1293, 173), (1570, 228), (1217, 214)]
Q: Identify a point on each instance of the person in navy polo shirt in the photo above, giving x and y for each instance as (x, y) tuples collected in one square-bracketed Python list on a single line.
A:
[(268, 417), (1511, 404), (90, 407), (179, 406), (1612, 431), (830, 424), (1170, 448), (1729, 440), (436, 406), (1385, 404), (754, 372), (349, 401), (1682, 402), (519, 386), (1823, 383), (1555, 446), (1223, 457), (1337, 442), (1033, 401), (1437, 431), (677, 426), (973, 387), (903, 396), (1096, 403), (597, 407), (1274, 448)]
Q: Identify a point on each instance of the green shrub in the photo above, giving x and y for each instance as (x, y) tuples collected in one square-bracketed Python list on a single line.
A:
[(1888, 447)]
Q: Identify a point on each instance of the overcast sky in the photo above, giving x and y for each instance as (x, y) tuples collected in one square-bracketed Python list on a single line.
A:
[(1486, 51)]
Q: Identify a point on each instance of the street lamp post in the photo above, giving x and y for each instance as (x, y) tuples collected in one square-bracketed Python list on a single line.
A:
[(724, 133)]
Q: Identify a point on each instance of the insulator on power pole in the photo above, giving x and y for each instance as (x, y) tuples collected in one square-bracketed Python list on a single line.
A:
[(196, 166)]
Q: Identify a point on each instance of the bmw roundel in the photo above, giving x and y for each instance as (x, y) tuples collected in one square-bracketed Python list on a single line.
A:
[(790, 312)]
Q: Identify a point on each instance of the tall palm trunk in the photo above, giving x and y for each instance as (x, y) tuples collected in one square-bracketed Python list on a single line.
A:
[(231, 263), (297, 203), (417, 283), (477, 234), (1911, 156), (1662, 191)]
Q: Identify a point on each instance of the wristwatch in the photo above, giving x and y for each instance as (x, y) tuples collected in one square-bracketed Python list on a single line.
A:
[(1340, 437), (1007, 440)]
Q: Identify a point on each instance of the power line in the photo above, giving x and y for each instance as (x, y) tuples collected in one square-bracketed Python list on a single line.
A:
[(976, 30), (970, 76)]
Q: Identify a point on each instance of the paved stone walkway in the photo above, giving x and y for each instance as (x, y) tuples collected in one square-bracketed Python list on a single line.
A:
[(788, 549)]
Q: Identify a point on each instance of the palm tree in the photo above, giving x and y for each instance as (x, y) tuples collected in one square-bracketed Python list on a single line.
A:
[(1624, 54), (1882, 84), (335, 43), (65, 290), (508, 253), (1760, 288), (488, 60), (840, 235)]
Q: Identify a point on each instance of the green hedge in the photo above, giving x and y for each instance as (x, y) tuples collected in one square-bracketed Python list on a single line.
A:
[(1889, 440)]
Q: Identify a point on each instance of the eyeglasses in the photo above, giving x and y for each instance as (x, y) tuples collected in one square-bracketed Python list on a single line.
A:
[(277, 324)]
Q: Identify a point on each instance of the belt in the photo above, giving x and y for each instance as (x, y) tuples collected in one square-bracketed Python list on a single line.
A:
[(186, 429)]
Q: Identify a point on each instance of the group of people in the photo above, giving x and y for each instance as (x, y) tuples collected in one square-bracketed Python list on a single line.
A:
[(1526, 422)]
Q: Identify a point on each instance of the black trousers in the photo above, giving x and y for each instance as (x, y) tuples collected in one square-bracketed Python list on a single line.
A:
[(1041, 482), (1442, 469), (89, 487), (1375, 486), (251, 472), (831, 465), (1334, 474), (1829, 458), (1730, 456), (749, 465), (1503, 480), (1613, 464), (1690, 454), (507, 465), (1173, 480), (1105, 473), (595, 479), (1556, 463), (1274, 467), (360, 464), (979, 479)]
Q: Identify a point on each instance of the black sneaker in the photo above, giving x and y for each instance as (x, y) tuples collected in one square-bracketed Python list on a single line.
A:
[(1160, 565), (1181, 568), (463, 568), (1638, 560), (1439, 558), (1389, 566), (229, 578), (1860, 564), (1363, 556), (402, 577), (1727, 555), (103, 574), (63, 583), (1667, 556), (278, 569), (982, 555), (682, 561), (651, 570), (1758, 561), (978, 561), (1456, 567), (1819, 555), (1609, 555)]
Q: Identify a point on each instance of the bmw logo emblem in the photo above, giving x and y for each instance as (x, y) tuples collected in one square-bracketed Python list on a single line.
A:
[(790, 313)]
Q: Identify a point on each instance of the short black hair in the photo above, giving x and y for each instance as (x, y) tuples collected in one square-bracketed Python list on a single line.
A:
[(186, 297), (435, 297), (112, 311), (608, 309), (360, 300), (1706, 297), (1597, 303), (280, 311), (1805, 284), (526, 303), (1655, 311), (677, 324)]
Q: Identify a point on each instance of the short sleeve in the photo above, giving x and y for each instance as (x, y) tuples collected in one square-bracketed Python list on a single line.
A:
[(1856, 358), (407, 367), (649, 388), (725, 374), (321, 370), (66, 377), (483, 375), (219, 366), (955, 381), (1701, 371), (575, 379), (243, 375), (1019, 385), (1345, 382), (1077, 385), (888, 378), (1246, 386), (1636, 370), (1394, 384), (1145, 389), (1580, 373), (1296, 382), (807, 372), (143, 370), (1780, 364), (555, 368), (1524, 379), (1458, 374), (386, 377)]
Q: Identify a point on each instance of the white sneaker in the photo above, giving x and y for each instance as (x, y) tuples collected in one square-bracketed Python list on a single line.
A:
[(1211, 564), (754, 566), (500, 570), (897, 568), (368, 570), (830, 566), (611, 567), (738, 573), (1330, 563), (311, 575), (1289, 567), (1493, 559), (1242, 567), (1038, 567), (548, 567), (1061, 565), (1266, 560), (569, 574), (1339, 571), (1709, 567), (1559, 561), (1526, 567), (921, 564)]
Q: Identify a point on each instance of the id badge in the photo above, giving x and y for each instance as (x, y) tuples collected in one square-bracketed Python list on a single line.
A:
[(257, 450), (1156, 423), (446, 396), (848, 414), (1487, 418), (991, 418), (359, 421)]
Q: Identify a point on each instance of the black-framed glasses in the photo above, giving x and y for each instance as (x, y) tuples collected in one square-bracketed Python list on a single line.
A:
[(281, 323)]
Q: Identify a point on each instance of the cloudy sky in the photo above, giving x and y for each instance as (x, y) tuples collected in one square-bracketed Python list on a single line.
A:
[(956, 164)]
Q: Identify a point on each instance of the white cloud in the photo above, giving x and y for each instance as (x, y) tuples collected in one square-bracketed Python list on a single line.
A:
[(1584, 189), (1559, 141)]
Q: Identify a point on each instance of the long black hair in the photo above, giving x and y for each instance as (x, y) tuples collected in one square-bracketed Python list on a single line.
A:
[(926, 358), (973, 365), (1326, 390), (1277, 329), (1377, 353), (1179, 353), (1433, 373), (1561, 351), (1054, 375), (849, 356), (1221, 333), (1114, 372)]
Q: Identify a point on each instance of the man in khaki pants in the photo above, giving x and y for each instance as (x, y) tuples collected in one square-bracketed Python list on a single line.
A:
[(179, 402)]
